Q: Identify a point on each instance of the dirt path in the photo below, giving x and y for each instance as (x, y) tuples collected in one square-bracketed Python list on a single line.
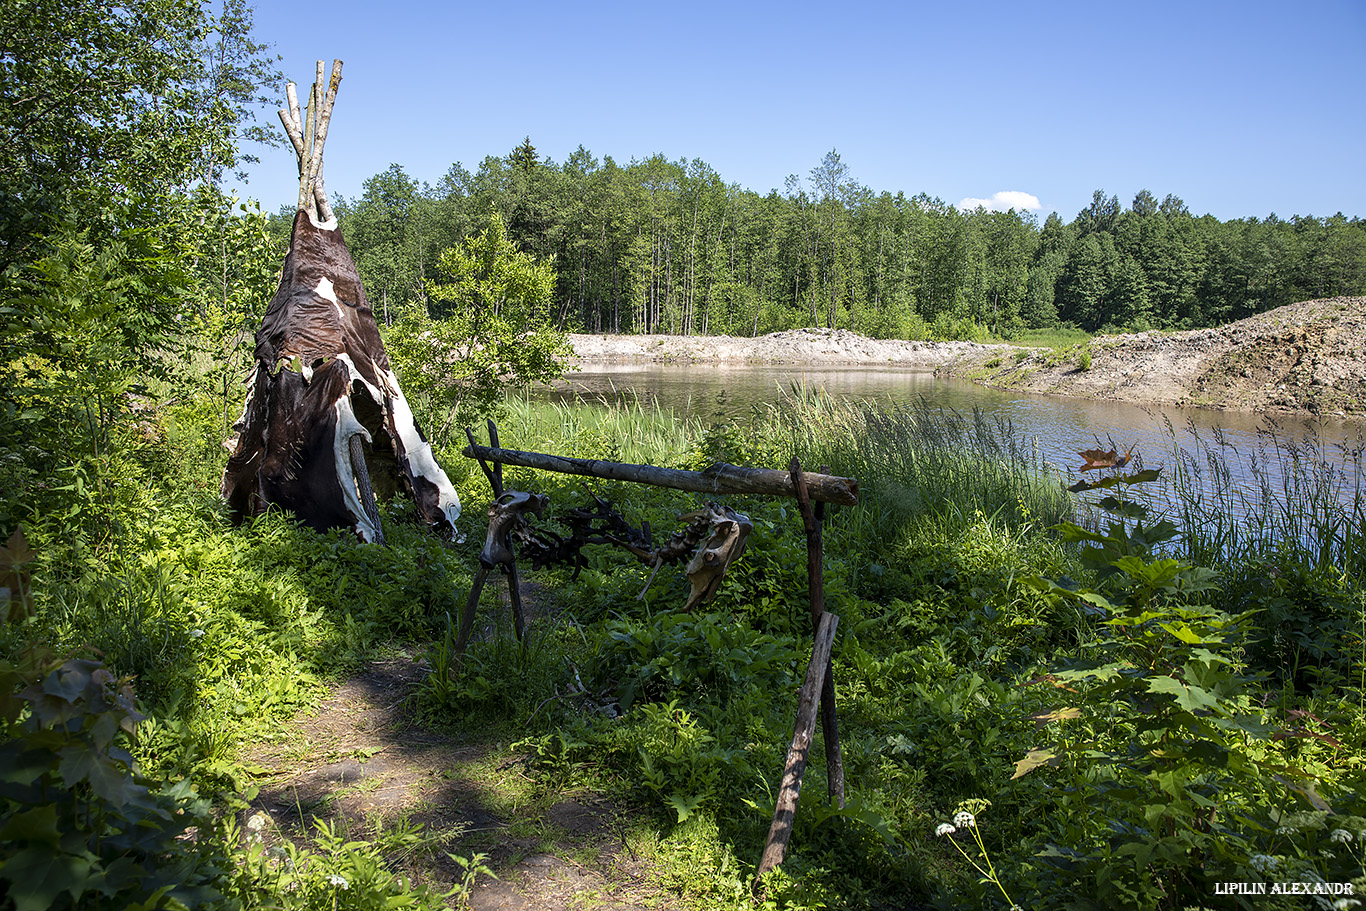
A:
[(361, 761), (1308, 357)]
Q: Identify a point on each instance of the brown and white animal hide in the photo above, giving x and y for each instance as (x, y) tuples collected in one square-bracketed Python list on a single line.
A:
[(321, 385)]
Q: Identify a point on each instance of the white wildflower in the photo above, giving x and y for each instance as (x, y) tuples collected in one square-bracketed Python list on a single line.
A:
[(1340, 836), (196, 633), (257, 822), (945, 828), (964, 820), (1286, 830), (336, 879), (1264, 863)]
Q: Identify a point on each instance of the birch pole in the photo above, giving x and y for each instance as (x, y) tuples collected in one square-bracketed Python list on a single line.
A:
[(307, 131)]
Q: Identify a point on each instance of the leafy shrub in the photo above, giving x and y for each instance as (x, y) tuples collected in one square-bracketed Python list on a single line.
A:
[(330, 872), (1167, 771), (706, 658), (81, 827)]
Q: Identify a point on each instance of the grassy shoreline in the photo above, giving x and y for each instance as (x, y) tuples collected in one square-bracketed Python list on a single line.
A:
[(948, 627)]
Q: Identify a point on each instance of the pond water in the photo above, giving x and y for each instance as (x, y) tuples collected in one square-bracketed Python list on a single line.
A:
[(1061, 426)]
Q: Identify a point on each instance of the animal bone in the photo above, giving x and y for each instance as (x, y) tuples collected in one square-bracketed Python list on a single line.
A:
[(729, 531), (506, 515)]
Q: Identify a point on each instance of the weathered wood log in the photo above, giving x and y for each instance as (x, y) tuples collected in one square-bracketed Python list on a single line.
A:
[(812, 521), (718, 479), (785, 813)]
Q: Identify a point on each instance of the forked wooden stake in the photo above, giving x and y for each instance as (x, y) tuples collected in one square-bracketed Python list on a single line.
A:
[(812, 520), (785, 813)]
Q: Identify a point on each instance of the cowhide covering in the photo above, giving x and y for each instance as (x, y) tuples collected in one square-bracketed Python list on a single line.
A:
[(322, 377)]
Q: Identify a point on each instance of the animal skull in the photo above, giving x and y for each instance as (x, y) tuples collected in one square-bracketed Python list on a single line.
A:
[(506, 515), (729, 530)]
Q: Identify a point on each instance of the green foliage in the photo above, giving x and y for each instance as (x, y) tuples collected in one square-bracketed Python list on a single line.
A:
[(86, 328), (1165, 772), (106, 112), (331, 872), (680, 760), (492, 332), (705, 658), (1292, 538), (81, 826), (660, 246)]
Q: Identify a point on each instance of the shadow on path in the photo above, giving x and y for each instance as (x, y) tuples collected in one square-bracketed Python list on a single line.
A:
[(363, 764)]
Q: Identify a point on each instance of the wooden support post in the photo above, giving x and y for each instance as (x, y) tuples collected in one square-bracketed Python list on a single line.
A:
[(467, 618), (495, 478), (497, 466), (514, 585), (785, 813), (812, 520), (515, 597)]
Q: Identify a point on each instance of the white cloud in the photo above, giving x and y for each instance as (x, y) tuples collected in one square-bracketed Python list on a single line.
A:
[(1000, 202)]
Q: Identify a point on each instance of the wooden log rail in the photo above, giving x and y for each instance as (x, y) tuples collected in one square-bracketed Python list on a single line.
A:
[(720, 478), (816, 700)]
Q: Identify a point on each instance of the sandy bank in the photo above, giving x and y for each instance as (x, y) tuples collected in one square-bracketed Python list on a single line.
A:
[(1308, 357), (810, 347)]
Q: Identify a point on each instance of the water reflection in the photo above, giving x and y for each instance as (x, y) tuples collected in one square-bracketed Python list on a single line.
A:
[(1242, 441), (1061, 425)]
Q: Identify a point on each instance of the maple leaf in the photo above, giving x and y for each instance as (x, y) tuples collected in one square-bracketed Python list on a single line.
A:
[(1099, 458)]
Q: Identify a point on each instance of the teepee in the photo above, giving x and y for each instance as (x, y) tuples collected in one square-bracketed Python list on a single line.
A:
[(322, 387)]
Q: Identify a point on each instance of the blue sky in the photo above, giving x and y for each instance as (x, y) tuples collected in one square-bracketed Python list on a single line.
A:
[(1240, 109)]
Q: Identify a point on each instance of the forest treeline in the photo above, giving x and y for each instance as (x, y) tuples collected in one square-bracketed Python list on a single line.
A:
[(670, 247)]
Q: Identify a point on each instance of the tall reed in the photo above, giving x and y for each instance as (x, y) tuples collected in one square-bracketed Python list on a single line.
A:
[(1281, 498), (630, 430), (915, 460)]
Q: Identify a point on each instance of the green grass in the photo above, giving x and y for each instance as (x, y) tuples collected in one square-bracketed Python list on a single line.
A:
[(1303, 500), (918, 463), (636, 432), (943, 657)]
